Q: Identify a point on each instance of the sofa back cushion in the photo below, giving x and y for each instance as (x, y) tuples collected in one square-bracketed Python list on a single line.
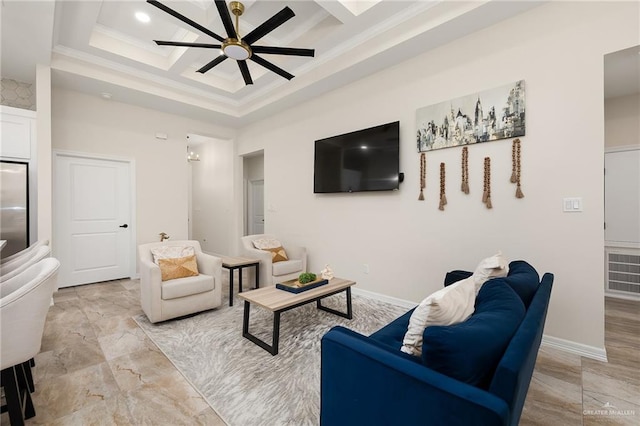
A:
[(523, 279), (471, 350)]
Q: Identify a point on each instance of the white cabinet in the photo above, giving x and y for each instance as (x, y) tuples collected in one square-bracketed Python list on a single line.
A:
[(17, 133)]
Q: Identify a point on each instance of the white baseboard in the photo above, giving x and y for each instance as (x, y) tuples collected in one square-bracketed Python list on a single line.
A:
[(624, 296), (599, 354), (384, 298)]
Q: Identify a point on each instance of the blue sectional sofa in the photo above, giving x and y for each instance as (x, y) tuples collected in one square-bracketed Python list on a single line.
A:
[(473, 373)]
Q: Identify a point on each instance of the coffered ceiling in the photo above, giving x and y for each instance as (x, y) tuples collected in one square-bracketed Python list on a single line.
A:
[(96, 47)]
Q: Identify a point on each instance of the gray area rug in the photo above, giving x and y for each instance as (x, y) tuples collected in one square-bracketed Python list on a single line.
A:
[(242, 382)]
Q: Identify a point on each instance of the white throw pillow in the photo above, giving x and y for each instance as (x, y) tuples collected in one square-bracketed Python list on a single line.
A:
[(266, 243), (171, 252), (491, 267), (450, 305)]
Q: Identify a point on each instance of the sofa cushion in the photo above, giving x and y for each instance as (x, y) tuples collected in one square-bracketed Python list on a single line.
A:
[(449, 305), (471, 350), (287, 267), (523, 279), (182, 287), (180, 267), (491, 267), (455, 276), (391, 335)]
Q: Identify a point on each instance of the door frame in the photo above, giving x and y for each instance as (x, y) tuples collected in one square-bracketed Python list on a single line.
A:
[(133, 261)]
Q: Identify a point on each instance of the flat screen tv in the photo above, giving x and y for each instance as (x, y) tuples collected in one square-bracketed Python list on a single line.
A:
[(364, 160)]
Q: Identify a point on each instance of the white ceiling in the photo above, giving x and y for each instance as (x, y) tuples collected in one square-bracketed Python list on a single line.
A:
[(97, 46)]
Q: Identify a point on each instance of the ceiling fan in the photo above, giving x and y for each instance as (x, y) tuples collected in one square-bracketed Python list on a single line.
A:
[(234, 46)]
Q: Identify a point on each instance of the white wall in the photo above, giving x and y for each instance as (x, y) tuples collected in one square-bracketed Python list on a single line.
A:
[(558, 50), (212, 179), (89, 124), (622, 121)]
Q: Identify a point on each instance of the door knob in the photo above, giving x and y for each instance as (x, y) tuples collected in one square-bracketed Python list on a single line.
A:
[(124, 226)]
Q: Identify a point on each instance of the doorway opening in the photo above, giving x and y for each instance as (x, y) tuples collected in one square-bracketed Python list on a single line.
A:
[(254, 184), (622, 173)]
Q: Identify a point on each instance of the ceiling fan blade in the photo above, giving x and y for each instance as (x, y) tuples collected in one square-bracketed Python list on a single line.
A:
[(271, 67), (244, 69), (184, 19), (212, 64), (226, 18), (182, 44), (269, 50), (269, 25)]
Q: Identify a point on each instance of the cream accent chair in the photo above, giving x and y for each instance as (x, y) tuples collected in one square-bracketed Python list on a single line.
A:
[(21, 253), (18, 265), (163, 300), (272, 273), (24, 303)]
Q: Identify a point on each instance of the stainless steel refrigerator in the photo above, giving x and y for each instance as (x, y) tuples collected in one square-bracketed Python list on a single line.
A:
[(14, 206)]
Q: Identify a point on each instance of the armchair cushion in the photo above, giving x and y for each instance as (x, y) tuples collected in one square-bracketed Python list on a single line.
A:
[(471, 350), (179, 267), (287, 267), (171, 252), (266, 243), (278, 254), (182, 287)]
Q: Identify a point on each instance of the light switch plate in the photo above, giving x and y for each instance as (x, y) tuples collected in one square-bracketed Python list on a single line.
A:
[(572, 204)]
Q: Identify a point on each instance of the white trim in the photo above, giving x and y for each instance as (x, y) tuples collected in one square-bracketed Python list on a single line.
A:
[(599, 354), (621, 295), (133, 236), (384, 298), (621, 245), (28, 113), (622, 148)]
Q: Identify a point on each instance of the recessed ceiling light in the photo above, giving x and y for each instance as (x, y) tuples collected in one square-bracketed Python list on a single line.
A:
[(142, 17), (106, 95)]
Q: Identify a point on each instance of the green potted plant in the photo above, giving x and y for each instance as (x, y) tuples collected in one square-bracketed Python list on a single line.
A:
[(306, 277)]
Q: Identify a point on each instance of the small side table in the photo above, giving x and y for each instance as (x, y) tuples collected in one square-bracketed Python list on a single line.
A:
[(232, 263)]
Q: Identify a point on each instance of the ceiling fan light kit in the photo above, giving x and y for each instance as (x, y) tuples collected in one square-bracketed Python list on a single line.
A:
[(235, 47)]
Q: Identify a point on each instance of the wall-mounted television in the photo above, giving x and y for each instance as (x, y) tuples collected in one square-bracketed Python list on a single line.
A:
[(364, 160)]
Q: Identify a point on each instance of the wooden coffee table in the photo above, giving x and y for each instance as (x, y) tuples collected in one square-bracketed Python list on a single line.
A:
[(278, 301)]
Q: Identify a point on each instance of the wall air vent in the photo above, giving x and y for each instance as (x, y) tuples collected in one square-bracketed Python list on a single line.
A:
[(623, 272)]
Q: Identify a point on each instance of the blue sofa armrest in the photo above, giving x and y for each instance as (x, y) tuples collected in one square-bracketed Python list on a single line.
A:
[(364, 383)]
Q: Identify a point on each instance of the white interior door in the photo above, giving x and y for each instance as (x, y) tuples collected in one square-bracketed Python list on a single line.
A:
[(93, 228), (256, 207), (622, 196)]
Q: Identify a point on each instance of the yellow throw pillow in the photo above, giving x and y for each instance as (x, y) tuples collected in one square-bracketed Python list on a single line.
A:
[(179, 267), (277, 254)]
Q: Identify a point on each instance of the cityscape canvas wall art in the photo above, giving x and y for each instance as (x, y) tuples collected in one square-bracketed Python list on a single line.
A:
[(480, 117)]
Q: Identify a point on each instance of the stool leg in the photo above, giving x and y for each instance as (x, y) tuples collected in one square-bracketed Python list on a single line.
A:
[(12, 396), (23, 389), (29, 375)]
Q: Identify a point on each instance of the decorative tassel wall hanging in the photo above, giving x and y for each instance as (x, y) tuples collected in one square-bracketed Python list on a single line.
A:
[(423, 175), (515, 175), (513, 160), (443, 197), (486, 194), (464, 187)]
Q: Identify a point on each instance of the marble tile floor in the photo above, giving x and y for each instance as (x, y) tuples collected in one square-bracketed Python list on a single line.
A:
[(97, 367)]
